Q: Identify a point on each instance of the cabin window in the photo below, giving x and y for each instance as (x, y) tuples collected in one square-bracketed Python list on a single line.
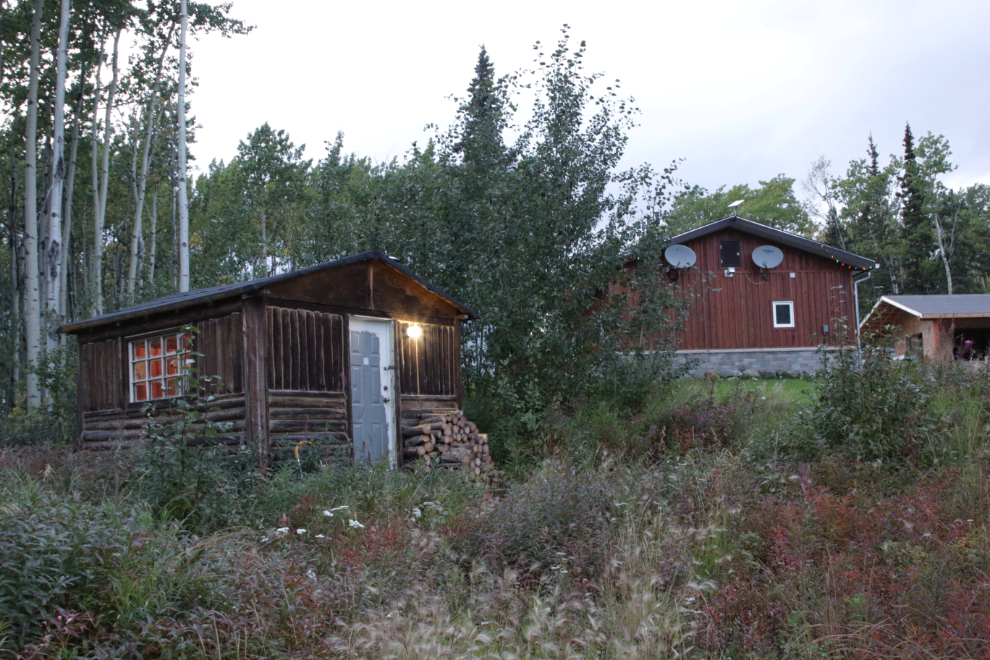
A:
[(783, 314), (729, 254), (159, 365)]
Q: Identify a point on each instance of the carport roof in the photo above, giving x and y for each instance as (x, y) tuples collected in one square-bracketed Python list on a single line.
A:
[(943, 306)]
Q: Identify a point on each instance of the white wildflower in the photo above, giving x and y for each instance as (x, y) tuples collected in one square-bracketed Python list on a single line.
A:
[(281, 530), (328, 514), (300, 531), (417, 513), (355, 524), (320, 536)]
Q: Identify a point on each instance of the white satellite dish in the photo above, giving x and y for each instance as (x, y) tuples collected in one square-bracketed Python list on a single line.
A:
[(767, 256), (680, 256)]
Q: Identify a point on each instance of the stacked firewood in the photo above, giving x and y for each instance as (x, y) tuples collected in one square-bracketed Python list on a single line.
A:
[(446, 439)]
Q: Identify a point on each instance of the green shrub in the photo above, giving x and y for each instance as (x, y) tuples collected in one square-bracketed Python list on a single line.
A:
[(55, 553), (868, 406)]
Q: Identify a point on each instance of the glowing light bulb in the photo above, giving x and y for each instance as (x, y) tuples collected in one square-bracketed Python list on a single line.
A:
[(414, 331)]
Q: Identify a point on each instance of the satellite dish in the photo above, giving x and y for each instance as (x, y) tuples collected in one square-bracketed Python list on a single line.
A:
[(767, 256), (680, 256)]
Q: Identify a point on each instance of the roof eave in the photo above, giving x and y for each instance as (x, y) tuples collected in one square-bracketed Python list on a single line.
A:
[(781, 236), (256, 285)]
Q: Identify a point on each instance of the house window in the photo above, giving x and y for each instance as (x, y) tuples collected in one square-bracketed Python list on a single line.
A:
[(729, 254), (159, 365), (783, 314)]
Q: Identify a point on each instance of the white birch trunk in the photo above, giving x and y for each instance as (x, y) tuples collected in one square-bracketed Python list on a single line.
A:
[(94, 157), (104, 180), (183, 194), (154, 236), (53, 261), (940, 235), (70, 182), (142, 181), (32, 311)]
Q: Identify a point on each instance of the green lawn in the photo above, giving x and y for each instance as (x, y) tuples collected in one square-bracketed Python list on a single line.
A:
[(796, 390)]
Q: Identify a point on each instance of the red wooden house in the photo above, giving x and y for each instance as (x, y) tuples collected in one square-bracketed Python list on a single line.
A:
[(750, 318)]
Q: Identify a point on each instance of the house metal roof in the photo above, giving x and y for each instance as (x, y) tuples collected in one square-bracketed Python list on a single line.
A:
[(224, 291), (967, 305), (785, 237)]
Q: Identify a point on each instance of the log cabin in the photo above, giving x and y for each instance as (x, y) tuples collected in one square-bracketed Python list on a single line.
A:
[(748, 318), (334, 354)]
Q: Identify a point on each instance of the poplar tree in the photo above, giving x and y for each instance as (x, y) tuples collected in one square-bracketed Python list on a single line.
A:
[(32, 311), (53, 256), (183, 193)]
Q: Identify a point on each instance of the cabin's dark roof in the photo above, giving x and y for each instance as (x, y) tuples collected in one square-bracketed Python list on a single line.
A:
[(785, 237), (942, 306), (216, 293)]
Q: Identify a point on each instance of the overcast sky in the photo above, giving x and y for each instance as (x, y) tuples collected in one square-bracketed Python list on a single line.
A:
[(742, 91)]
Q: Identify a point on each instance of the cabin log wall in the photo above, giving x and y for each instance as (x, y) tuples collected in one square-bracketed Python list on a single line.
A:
[(110, 420)]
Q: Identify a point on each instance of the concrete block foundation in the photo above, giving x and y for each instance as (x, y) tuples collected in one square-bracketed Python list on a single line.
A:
[(768, 362)]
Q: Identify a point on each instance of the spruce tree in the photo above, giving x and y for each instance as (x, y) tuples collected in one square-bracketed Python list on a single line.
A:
[(917, 230)]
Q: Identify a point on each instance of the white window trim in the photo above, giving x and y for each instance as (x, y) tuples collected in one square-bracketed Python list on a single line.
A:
[(182, 367), (773, 312)]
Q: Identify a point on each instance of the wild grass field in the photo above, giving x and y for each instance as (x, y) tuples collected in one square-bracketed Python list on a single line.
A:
[(840, 517)]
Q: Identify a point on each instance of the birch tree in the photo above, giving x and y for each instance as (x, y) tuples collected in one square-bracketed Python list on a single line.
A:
[(142, 180), (183, 195), (53, 257), (70, 182), (100, 205), (32, 312)]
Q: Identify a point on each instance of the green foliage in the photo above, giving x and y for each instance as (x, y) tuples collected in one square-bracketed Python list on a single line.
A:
[(773, 203), (186, 468), (868, 406), (55, 553)]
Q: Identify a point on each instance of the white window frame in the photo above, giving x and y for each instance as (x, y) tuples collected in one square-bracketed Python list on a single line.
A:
[(140, 357), (773, 311)]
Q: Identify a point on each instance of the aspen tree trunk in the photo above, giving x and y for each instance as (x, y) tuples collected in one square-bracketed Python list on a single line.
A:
[(264, 244), (142, 181), (70, 181), (183, 194), (154, 237), (104, 176), (15, 275), (940, 234), (94, 156), (32, 312), (53, 262)]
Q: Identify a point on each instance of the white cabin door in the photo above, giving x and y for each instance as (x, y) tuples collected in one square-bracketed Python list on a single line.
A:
[(372, 390)]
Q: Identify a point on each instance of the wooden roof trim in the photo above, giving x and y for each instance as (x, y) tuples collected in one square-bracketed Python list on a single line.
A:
[(900, 306)]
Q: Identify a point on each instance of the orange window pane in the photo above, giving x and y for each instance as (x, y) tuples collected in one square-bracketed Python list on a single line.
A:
[(156, 347), (171, 345), (172, 366), (156, 390), (140, 370), (139, 350), (174, 386), (156, 368), (141, 392), (187, 342)]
